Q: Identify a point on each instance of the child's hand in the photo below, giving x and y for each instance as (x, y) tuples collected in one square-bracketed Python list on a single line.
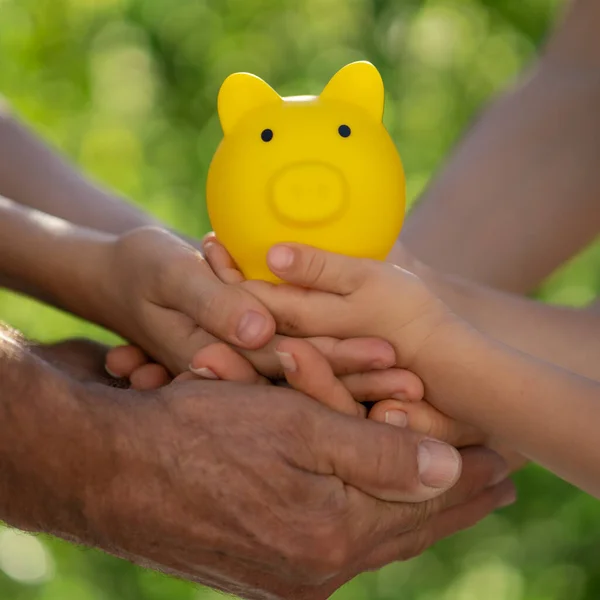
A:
[(345, 297)]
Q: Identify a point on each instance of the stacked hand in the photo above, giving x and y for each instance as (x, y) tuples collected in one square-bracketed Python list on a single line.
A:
[(339, 373), (321, 496)]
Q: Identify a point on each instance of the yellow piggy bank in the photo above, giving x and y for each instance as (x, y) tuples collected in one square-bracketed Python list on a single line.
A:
[(319, 170)]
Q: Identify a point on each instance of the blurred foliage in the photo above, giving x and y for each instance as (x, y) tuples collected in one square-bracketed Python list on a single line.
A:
[(127, 90)]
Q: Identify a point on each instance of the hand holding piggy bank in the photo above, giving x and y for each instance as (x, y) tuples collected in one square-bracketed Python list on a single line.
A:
[(318, 170)]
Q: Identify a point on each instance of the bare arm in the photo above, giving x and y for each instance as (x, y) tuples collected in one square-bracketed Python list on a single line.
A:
[(43, 417), (548, 414), (51, 258), (521, 193), (36, 176), (565, 336)]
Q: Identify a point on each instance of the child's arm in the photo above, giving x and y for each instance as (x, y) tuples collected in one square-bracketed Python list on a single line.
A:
[(548, 414), (565, 336), (519, 195)]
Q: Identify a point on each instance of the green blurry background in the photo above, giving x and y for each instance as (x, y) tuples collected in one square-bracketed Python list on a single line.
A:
[(127, 89)]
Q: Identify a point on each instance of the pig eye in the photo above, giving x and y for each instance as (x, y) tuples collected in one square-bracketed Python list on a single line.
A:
[(266, 135), (344, 131)]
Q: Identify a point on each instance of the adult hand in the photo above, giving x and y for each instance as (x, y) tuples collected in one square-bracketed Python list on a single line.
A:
[(79, 358), (262, 492)]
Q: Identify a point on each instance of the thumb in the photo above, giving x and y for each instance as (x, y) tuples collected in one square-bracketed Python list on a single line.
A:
[(229, 312), (310, 267), (386, 462)]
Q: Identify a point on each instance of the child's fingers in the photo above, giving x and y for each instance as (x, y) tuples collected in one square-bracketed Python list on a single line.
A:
[(353, 355), (122, 361), (220, 361), (381, 385), (149, 377), (131, 363), (308, 371), (301, 312), (424, 418), (317, 269), (220, 260)]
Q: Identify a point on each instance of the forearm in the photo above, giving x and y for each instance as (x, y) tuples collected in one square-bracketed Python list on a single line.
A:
[(36, 176), (520, 193), (48, 446), (567, 337), (548, 414), (56, 260)]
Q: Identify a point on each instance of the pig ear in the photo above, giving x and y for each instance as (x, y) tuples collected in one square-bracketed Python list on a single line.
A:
[(358, 83), (241, 93)]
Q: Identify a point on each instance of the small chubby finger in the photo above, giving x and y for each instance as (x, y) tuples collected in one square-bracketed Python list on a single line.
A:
[(423, 418), (220, 361), (149, 377), (373, 386), (220, 261), (122, 361), (353, 355), (308, 371), (318, 269)]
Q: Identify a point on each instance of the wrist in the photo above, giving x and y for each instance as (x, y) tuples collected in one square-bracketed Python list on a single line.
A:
[(58, 259), (406, 260), (56, 449), (445, 363)]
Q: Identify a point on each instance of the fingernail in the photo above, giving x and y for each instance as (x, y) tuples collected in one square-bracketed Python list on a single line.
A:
[(252, 326), (439, 464), (113, 375), (204, 372), (288, 362), (397, 418), (280, 258)]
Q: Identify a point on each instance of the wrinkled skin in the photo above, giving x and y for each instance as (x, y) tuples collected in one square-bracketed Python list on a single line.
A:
[(260, 491)]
